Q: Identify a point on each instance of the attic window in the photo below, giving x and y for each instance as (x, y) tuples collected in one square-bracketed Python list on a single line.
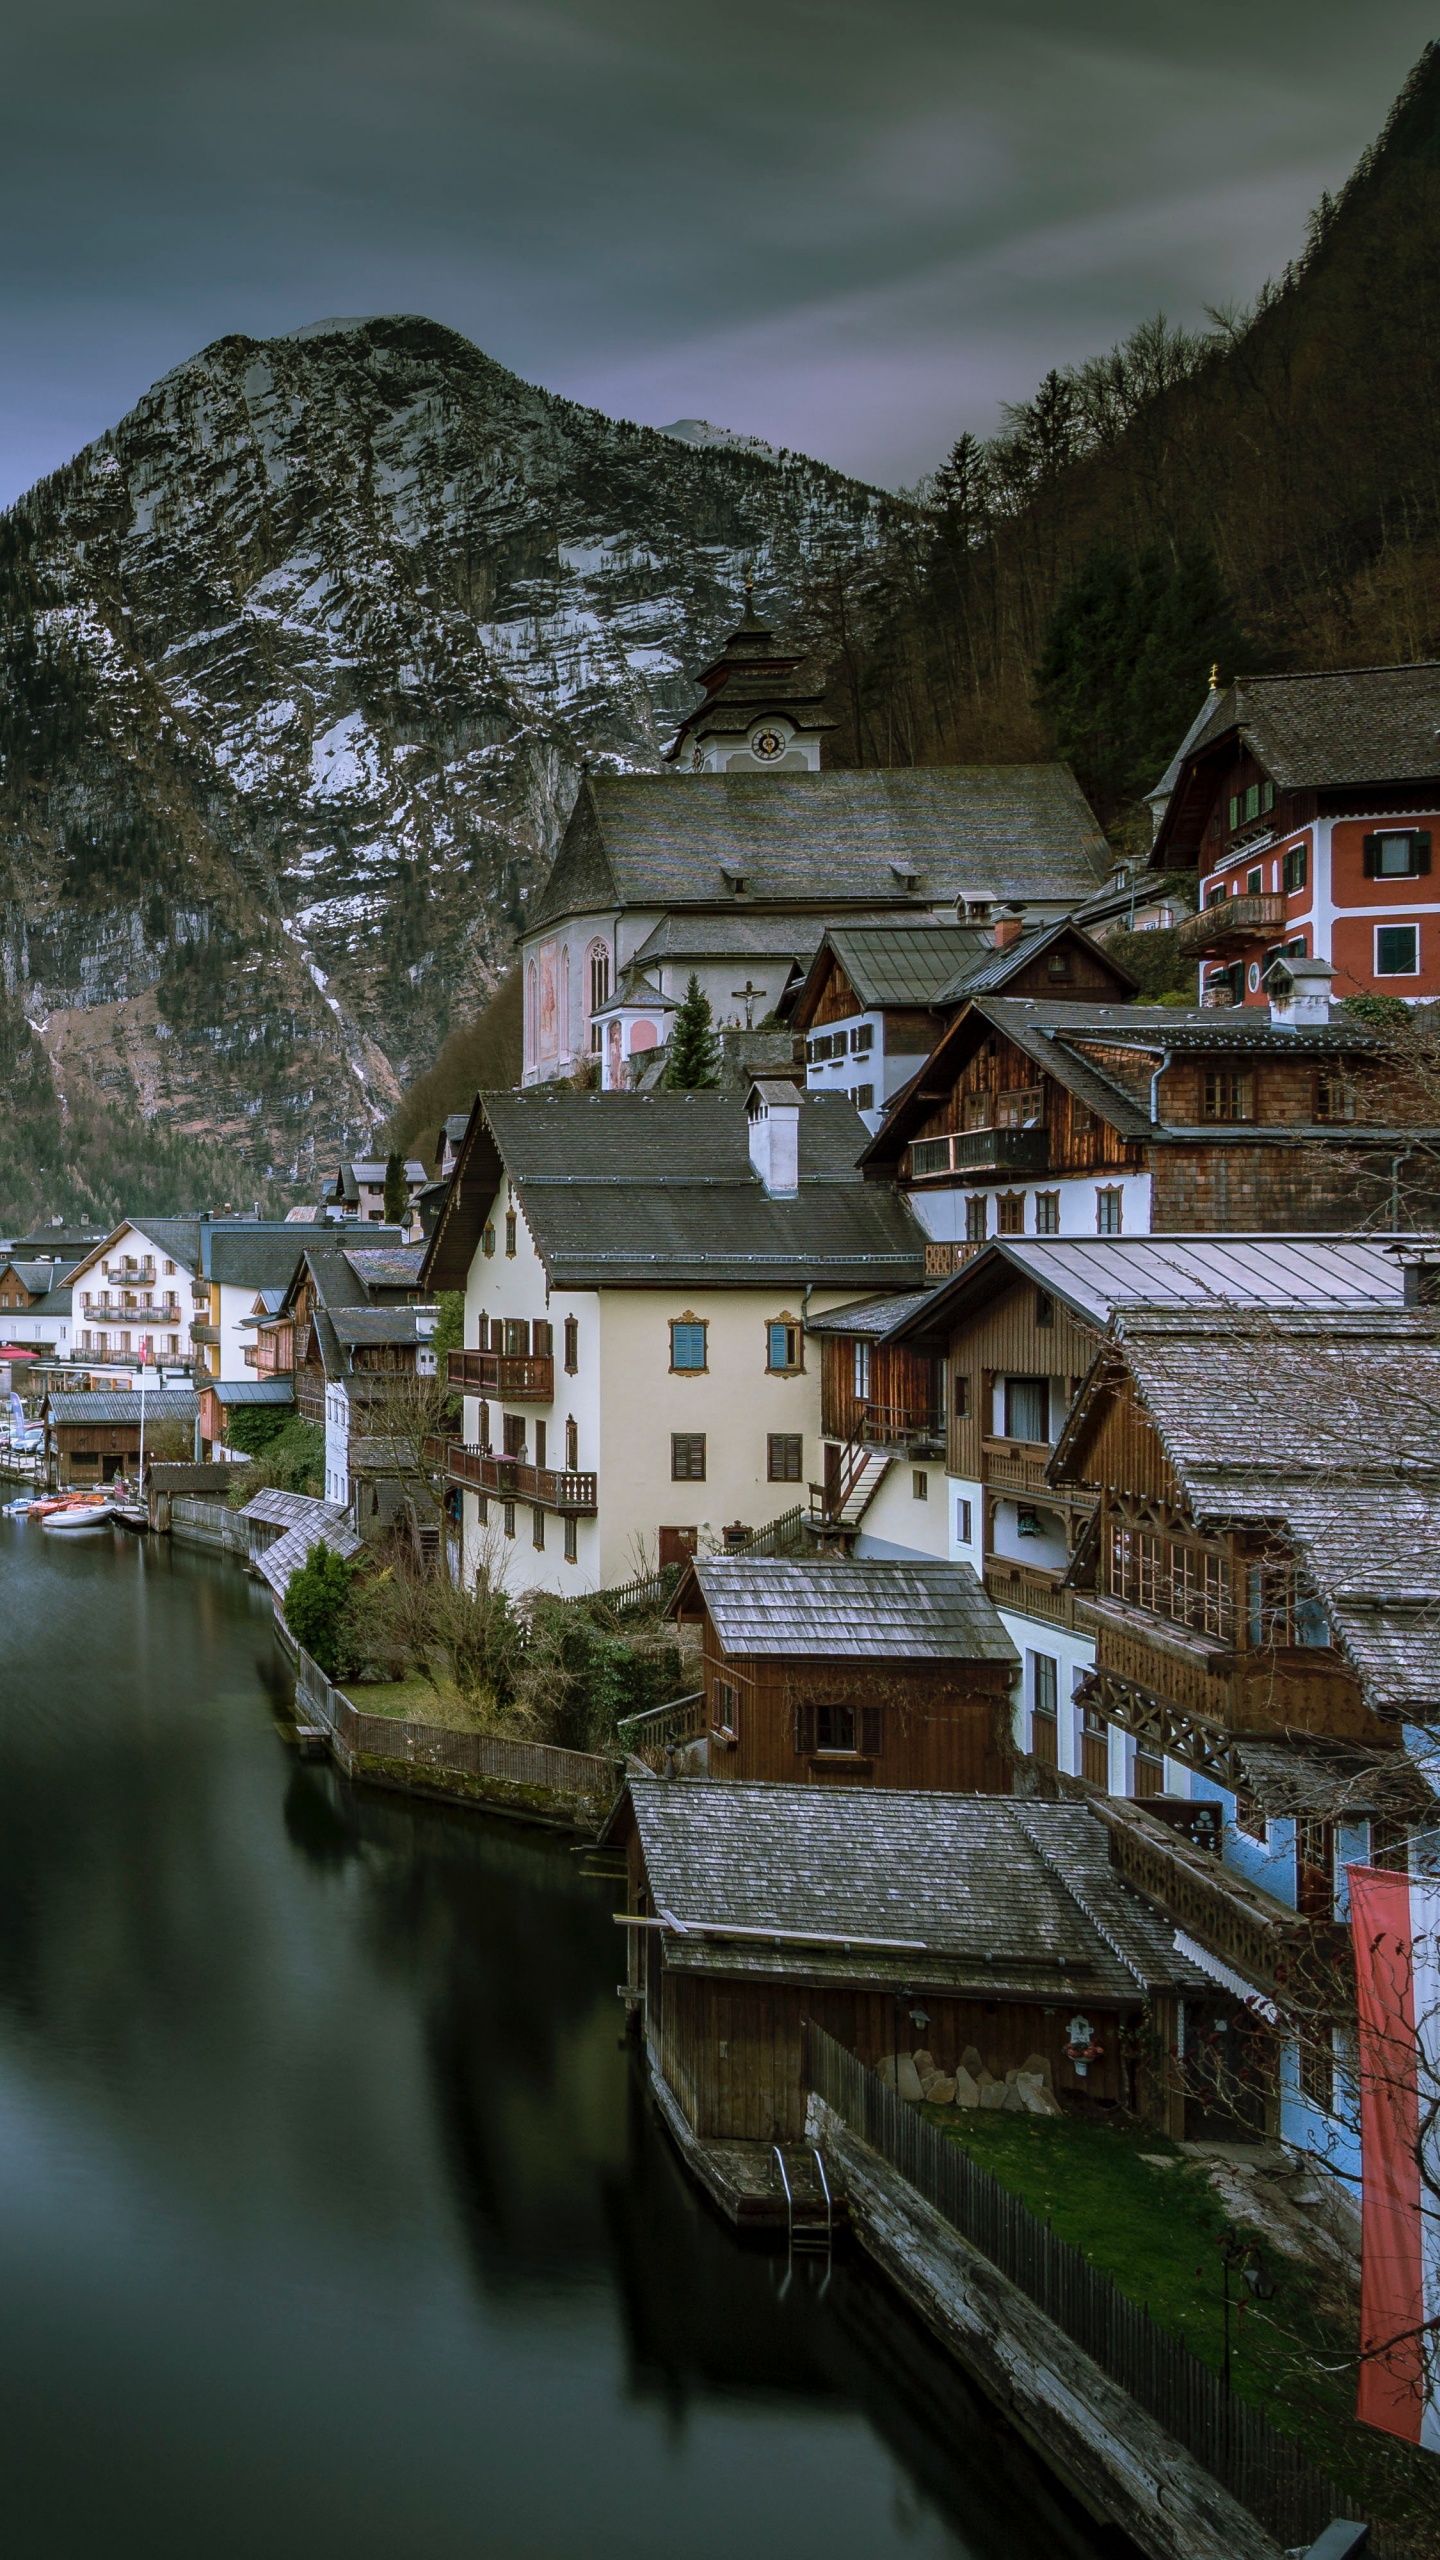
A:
[(905, 877), (737, 882), (1058, 963)]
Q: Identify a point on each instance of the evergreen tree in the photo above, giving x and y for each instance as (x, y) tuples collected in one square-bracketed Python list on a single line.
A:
[(693, 1064), (396, 1203), (1126, 662), (317, 1608)]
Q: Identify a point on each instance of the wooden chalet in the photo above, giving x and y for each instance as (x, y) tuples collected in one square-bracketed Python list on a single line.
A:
[(1032, 1117), (890, 1919), (1256, 1571), (838, 1673), (877, 995)]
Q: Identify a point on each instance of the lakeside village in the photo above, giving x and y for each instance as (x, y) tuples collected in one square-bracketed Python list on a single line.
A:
[(933, 1462)]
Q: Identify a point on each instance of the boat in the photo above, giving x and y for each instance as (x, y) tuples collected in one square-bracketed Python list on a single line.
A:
[(75, 1516)]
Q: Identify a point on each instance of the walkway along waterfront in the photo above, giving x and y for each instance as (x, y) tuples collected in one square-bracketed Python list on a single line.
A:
[(333, 2219)]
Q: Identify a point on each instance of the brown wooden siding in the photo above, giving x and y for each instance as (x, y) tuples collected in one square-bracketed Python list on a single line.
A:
[(837, 999), (943, 1726), (902, 1381), (1006, 1341), (1078, 1143)]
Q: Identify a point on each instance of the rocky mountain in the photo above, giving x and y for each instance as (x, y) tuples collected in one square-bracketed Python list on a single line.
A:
[(298, 666)]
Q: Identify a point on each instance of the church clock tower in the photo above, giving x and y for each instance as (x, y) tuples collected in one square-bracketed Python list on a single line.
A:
[(763, 711)]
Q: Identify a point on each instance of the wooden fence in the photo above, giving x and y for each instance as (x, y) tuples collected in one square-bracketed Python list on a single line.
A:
[(198, 1522), (1266, 2471), (568, 1790), (782, 1537)]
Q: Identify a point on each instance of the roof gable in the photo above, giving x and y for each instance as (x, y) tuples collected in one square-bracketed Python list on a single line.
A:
[(875, 1609), (1334, 731)]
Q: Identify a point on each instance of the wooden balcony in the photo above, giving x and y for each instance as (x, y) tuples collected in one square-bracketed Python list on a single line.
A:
[(942, 1260), (205, 1333), (1034, 1593), (1232, 924), (978, 1151), (1017, 1467), (905, 1430), (511, 1377), (571, 1490)]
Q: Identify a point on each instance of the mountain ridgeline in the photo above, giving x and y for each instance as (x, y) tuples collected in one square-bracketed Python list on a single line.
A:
[(298, 667), (1263, 493)]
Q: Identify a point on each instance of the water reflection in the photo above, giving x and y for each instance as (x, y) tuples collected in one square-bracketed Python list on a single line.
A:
[(332, 2215)]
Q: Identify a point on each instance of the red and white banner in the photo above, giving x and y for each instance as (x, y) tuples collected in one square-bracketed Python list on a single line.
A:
[(1395, 1920)]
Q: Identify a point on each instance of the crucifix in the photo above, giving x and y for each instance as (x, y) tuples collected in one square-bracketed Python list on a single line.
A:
[(746, 995)]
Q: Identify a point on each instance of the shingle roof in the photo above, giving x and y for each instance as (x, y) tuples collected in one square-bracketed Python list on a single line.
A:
[(878, 1608), (277, 1509), (826, 839), (1326, 1425), (388, 1266), (288, 1553), (251, 1256), (691, 936), (650, 1188), (167, 1404), (994, 969), (1352, 725), (871, 1319), (1313, 1775), (966, 1890), (357, 1325), (165, 1477)]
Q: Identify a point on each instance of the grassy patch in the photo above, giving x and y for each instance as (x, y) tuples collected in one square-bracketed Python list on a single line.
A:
[(413, 1701), (1157, 2232)]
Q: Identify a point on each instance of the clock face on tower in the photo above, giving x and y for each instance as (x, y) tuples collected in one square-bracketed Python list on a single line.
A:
[(767, 744)]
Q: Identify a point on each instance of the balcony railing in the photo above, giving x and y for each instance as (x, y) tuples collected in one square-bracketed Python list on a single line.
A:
[(1232, 923), (941, 1260), (1018, 1467), (1033, 1594), (204, 1333), (903, 1428), (980, 1151), (569, 1489), (512, 1377)]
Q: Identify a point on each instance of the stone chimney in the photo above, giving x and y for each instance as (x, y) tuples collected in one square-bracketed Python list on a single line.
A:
[(1299, 991), (1009, 925), (773, 1111)]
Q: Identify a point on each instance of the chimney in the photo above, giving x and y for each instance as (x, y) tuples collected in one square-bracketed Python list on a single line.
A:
[(1009, 925), (773, 1111), (1299, 992)]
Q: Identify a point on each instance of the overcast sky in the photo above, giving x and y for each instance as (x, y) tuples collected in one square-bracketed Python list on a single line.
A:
[(850, 226)]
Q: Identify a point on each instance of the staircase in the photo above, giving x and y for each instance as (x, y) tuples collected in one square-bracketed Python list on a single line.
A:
[(842, 1506)]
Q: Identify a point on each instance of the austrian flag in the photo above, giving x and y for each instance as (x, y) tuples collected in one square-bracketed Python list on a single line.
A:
[(1396, 1925)]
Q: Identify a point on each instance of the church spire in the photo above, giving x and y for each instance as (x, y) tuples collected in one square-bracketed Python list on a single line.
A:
[(763, 709)]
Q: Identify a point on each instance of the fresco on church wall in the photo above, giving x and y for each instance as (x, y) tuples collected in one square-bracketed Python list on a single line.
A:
[(548, 1025)]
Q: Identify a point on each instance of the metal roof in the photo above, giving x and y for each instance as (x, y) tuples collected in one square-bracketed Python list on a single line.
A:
[(908, 964), (826, 839), (167, 1404), (1096, 1275), (228, 1391), (961, 1891), (279, 1510), (875, 1608)]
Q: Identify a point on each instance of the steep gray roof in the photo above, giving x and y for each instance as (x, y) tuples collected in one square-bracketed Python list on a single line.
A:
[(692, 936), (357, 1325), (658, 1188), (993, 970), (871, 1319), (388, 1266), (289, 1552), (256, 1257), (1353, 725), (873, 1609), (1324, 1423), (167, 1404), (826, 839), (909, 964), (961, 1891), (277, 1509)]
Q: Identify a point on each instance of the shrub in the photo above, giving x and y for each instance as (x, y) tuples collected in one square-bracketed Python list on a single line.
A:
[(294, 1462), (318, 1606), (253, 1427)]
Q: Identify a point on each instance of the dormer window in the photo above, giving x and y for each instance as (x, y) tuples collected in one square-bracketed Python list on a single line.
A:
[(737, 882), (905, 878), (977, 910)]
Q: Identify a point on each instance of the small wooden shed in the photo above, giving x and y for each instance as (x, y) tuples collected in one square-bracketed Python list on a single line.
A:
[(891, 1919), (878, 1671)]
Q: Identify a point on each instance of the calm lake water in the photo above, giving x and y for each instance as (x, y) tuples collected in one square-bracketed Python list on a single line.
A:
[(333, 2220)]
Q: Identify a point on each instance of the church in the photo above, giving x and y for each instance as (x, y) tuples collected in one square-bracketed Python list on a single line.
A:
[(734, 864)]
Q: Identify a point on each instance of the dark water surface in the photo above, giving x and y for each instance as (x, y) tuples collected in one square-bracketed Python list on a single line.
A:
[(333, 2220)]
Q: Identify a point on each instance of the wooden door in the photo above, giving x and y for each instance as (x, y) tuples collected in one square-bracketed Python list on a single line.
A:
[(677, 1546)]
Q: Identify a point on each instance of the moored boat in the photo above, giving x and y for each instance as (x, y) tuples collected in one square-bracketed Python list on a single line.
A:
[(74, 1516)]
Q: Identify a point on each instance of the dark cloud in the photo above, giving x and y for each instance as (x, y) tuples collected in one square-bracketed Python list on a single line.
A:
[(853, 227)]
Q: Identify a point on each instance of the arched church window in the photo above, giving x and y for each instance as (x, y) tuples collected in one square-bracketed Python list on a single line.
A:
[(599, 958)]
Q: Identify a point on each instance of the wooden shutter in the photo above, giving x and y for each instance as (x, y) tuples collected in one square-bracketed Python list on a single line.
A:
[(804, 1728), (872, 1731), (543, 1339), (1420, 839), (1372, 857)]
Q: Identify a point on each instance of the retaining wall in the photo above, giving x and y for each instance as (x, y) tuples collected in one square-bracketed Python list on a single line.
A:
[(535, 1781), (197, 1522)]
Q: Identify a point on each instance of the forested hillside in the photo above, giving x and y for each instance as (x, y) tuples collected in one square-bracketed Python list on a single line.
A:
[(1262, 493)]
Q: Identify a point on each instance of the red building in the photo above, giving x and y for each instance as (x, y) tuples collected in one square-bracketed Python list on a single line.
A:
[(1308, 805)]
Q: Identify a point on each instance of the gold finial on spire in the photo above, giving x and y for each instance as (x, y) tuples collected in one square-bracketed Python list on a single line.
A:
[(1215, 677), (749, 586)]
